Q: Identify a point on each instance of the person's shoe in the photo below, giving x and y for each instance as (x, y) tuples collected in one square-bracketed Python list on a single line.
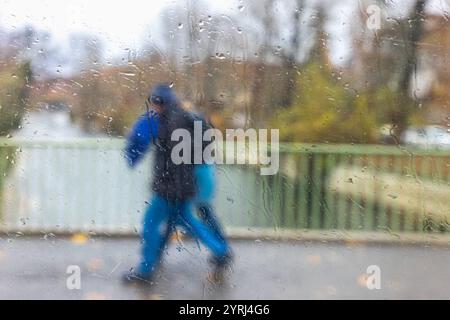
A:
[(221, 267), (222, 262), (132, 277)]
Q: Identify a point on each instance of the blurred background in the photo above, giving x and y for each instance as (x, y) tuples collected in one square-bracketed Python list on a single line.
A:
[(360, 92)]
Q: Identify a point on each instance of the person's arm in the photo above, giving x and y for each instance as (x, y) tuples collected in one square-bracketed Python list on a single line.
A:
[(140, 137)]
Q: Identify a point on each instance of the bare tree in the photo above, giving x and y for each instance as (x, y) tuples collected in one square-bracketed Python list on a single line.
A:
[(264, 13), (409, 70), (290, 58)]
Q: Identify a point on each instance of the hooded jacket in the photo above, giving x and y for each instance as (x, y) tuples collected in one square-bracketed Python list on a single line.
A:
[(172, 181), (145, 131)]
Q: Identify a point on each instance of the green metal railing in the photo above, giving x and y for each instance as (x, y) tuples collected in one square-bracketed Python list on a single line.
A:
[(349, 187), (84, 185)]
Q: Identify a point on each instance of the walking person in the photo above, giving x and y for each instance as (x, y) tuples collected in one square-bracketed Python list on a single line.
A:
[(144, 131), (174, 185)]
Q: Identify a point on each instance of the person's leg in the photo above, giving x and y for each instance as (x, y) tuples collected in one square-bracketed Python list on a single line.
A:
[(205, 181), (200, 230), (207, 214), (155, 233)]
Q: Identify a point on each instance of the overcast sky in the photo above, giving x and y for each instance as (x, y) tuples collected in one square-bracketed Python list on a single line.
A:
[(122, 24), (125, 24)]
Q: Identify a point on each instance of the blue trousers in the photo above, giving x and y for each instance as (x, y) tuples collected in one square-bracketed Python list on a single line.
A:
[(205, 181), (160, 218)]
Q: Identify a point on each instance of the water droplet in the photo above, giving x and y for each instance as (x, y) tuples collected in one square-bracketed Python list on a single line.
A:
[(180, 26), (241, 8), (220, 56), (128, 74)]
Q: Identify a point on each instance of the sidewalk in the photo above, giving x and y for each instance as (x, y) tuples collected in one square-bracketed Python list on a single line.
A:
[(36, 268)]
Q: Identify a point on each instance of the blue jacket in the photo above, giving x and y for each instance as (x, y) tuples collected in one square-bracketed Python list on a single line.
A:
[(171, 181), (144, 131)]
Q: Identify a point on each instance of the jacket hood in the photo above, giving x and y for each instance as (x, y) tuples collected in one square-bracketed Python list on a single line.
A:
[(165, 96)]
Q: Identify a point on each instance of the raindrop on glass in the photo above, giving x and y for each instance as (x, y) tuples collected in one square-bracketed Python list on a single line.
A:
[(220, 56)]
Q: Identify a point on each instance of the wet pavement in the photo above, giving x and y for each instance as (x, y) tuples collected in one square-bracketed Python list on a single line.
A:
[(35, 268)]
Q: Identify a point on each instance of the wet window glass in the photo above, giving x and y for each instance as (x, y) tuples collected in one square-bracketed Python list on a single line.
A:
[(245, 149)]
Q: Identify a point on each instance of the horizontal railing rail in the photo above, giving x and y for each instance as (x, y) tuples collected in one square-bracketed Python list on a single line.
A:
[(84, 185)]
